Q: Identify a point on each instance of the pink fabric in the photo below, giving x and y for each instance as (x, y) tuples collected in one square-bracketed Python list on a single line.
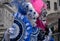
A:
[(40, 24), (38, 5)]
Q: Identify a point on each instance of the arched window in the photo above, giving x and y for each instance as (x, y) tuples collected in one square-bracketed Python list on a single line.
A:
[(55, 6), (59, 2), (48, 4)]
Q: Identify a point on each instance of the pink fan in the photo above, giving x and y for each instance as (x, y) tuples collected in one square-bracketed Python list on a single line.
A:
[(38, 5)]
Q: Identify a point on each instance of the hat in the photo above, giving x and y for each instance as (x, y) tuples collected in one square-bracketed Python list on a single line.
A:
[(38, 5)]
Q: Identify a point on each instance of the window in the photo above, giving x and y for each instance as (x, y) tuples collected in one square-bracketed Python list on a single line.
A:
[(55, 6), (59, 2), (48, 4)]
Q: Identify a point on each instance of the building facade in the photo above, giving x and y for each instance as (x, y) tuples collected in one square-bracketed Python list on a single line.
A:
[(6, 20), (52, 6)]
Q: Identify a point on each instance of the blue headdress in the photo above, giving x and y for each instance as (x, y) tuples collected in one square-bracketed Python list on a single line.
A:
[(21, 6)]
